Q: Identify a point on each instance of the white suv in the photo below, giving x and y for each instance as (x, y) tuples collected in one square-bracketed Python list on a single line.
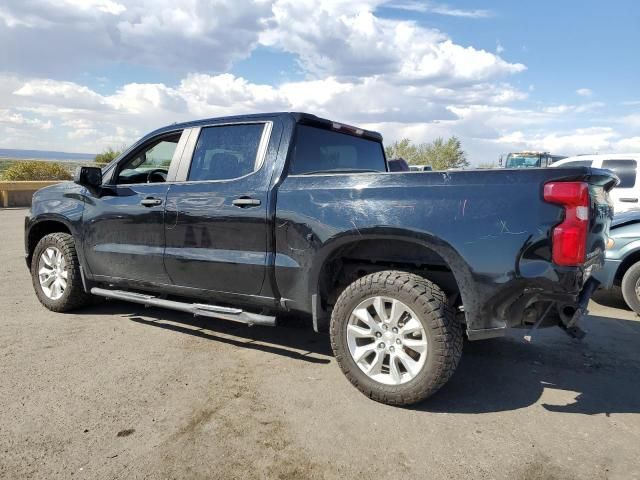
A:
[(625, 196)]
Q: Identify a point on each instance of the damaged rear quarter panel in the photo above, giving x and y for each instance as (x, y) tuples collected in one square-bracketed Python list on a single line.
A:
[(491, 227)]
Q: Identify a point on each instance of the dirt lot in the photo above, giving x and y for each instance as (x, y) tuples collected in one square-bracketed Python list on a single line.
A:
[(117, 391)]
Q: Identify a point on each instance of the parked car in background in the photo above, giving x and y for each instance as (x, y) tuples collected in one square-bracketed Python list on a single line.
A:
[(529, 160), (421, 168), (626, 196), (398, 165), (622, 258)]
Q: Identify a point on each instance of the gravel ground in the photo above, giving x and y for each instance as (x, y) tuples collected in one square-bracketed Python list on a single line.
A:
[(119, 391)]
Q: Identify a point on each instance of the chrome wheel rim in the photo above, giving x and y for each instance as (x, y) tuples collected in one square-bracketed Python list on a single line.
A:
[(52, 273), (638, 289), (386, 340)]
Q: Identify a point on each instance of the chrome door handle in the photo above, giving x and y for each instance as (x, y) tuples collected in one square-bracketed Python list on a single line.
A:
[(629, 200), (151, 202), (246, 202)]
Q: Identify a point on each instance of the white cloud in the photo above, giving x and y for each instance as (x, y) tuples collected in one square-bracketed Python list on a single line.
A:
[(481, 115), (439, 8), (581, 140), (584, 92), (106, 6), (396, 76), (174, 35), (67, 94), (631, 144), (347, 39)]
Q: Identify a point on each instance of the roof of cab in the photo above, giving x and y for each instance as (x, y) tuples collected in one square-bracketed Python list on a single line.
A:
[(298, 117)]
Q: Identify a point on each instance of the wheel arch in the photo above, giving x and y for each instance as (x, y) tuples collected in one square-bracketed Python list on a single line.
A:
[(41, 228), (349, 257), (630, 259)]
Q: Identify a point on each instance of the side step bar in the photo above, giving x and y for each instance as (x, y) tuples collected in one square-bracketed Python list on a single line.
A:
[(196, 309)]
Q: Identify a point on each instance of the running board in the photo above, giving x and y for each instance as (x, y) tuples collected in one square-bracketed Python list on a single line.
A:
[(196, 309)]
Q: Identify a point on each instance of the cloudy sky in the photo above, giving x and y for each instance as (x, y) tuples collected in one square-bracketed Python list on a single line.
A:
[(80, 75)]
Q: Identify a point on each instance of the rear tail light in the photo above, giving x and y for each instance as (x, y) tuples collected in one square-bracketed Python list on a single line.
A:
[(570, 237)]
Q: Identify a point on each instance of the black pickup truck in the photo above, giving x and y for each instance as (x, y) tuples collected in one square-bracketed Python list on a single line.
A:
[(243, 218)]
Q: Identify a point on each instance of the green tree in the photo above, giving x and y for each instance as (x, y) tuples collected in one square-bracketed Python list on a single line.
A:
[(107, 155), (31, 170), (440, 154)]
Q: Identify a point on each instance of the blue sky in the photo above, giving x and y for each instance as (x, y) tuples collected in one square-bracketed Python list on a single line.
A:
[(79, 75)]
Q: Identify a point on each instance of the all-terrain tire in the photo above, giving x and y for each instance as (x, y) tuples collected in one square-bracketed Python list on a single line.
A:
[(74, 295), (628, 287), (443, 332)]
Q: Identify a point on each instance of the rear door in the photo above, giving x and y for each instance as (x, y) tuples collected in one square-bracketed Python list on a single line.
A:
[(626, 195), (216, 217)]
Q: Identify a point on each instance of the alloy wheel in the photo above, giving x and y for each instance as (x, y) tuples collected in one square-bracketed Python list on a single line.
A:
[(52, 273), (386, 340)]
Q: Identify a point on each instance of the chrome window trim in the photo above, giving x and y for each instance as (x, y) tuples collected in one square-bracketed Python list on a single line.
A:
[(187, 156), (177, 155), (262, 146)]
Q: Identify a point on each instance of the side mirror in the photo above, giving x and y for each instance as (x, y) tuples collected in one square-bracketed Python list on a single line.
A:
[(90, 177)]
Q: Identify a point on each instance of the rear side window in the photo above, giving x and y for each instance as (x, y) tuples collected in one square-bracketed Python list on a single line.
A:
[(318, 151), (226, 152), (625, 169), (577, 163)]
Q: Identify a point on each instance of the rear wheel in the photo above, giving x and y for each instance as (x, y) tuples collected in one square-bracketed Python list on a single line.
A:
[(631, 287), (55, 273), (395, 337)]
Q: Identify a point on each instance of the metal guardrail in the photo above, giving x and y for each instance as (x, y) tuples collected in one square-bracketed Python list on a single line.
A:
[(22, 186)]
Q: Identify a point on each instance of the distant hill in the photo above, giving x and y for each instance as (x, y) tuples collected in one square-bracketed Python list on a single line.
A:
[(44, 155)]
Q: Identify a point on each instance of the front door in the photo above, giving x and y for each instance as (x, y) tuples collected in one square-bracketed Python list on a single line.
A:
[(124, 222), (216, 219)]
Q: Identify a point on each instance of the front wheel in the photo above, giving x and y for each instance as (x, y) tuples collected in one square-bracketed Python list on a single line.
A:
[(55, 273), (395, 337)]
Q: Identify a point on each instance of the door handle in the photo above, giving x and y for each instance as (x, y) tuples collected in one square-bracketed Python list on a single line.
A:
[(629, 200), (151, 202), (246, 202)]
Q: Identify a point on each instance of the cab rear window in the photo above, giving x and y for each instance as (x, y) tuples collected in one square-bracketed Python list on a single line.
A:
[(325, 151)]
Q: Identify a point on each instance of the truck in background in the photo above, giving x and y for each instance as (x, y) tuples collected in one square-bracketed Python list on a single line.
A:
[(528, 159)]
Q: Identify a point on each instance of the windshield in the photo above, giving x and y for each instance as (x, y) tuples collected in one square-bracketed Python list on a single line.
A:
[(522, 161)]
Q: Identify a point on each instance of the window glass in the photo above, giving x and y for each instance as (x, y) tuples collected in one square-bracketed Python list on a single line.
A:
[(151, 164), (522, 160), (318, 150), (577, 163), (226, 152), (625, 169)]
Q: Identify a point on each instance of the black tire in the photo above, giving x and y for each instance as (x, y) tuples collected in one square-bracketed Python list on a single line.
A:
[(629, 282), (443, 331), (74, 295)]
